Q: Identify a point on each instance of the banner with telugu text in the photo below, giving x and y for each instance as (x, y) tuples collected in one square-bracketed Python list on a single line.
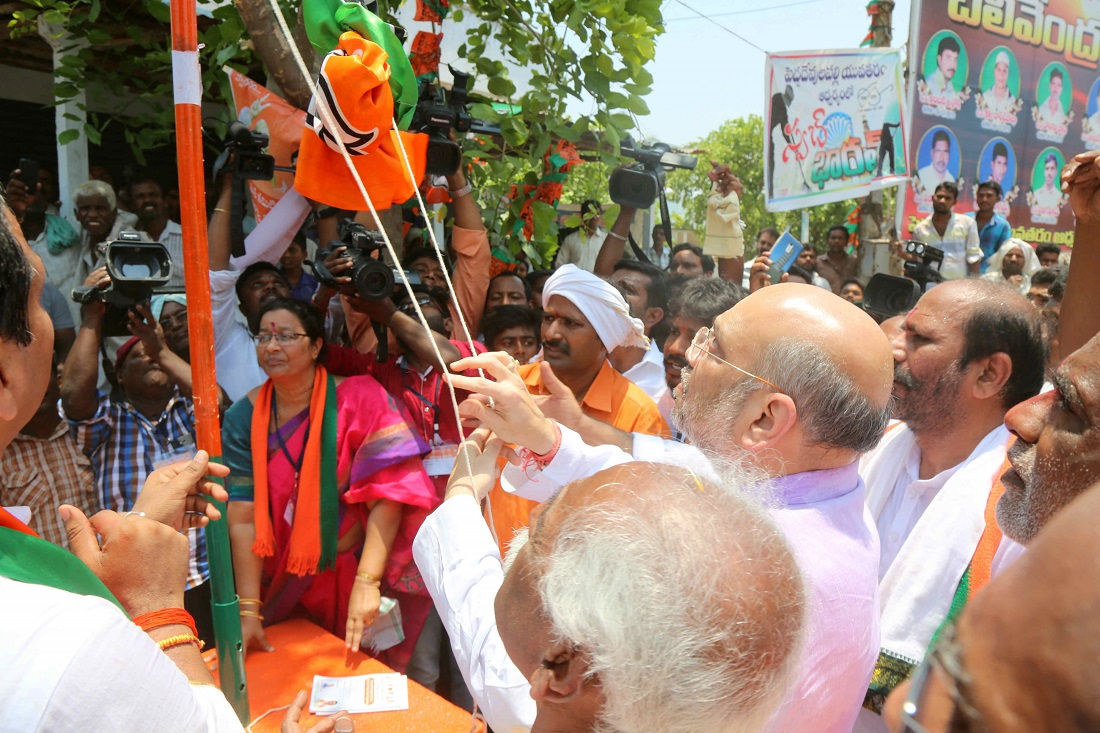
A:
[(263, 110), (1003, 90), (835, 127)]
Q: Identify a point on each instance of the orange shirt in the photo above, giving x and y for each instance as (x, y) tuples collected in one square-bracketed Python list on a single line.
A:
[(612, 399)]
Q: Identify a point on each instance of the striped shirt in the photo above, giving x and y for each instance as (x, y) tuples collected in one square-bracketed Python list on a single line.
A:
[(125, 446), (43, 474), (172, 239)]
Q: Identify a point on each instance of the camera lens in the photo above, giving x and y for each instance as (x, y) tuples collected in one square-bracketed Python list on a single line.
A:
[(373, 280)]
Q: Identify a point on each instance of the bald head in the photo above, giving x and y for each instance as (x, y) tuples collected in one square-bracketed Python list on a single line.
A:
[(843, 332), (619, 554)]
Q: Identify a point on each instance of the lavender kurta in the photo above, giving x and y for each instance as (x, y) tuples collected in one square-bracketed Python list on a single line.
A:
[(822, 515)]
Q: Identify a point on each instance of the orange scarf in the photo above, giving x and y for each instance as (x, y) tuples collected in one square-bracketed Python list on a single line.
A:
[(305, 534)]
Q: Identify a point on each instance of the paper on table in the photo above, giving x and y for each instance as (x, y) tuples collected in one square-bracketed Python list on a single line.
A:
[(365, 693)]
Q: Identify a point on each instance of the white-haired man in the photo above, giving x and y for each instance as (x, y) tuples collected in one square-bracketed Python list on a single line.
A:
[(96, 210), (584, 318), (799, 405), (600, 609)]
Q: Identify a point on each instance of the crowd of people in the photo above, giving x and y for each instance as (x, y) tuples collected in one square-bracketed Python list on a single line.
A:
[(668, 493)]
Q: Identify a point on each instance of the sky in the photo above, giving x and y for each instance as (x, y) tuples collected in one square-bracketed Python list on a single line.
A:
[(703, 75)]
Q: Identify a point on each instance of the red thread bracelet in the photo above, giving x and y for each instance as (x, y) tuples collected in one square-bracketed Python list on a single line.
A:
[(166, 617), (530, 458)]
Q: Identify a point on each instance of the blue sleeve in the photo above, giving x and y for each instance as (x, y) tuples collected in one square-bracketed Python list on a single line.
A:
[(54, 303), (237, 450)]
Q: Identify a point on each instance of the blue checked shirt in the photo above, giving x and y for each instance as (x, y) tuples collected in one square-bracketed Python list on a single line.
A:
[(124, 446)]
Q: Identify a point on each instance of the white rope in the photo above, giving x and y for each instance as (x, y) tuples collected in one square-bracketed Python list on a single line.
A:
[(330, 122), (439, 254)]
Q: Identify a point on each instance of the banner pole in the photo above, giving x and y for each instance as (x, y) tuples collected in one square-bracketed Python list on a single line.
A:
[(187, 85)]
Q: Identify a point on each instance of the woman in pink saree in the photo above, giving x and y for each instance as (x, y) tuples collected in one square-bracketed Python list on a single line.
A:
[(327, 492)]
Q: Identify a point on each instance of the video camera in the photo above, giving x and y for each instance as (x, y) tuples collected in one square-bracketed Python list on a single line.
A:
[(372, 278), (887, 295), (137, 269), (437, 115), (243, 154), (640, 184)]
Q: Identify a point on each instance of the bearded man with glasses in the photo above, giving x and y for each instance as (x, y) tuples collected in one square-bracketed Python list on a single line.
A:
[(793, 384)]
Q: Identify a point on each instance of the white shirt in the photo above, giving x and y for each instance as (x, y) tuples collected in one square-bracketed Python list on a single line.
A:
[(999, 105), (1048, 197), (1056, 116), (74, 662), (581, 249), (235, 360), (649, 374), (823, 517), (960, 244), (460, 564), (941, 87), (909, 497), (172, 239), (930, 178)]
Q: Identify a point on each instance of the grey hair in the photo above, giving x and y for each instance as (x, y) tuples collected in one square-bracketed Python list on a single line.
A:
[(96, 188), (685, 598), (832, 410)]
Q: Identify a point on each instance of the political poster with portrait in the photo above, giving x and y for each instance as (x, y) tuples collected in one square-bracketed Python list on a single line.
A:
[(835, 127), (1003, 92)]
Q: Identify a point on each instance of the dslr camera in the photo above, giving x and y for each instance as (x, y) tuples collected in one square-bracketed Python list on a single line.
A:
[(137, 269), (642, 183), (243, 154), (437, 115), (371, 278)]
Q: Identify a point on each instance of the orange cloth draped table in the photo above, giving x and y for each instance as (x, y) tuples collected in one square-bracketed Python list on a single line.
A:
[(302, 650)]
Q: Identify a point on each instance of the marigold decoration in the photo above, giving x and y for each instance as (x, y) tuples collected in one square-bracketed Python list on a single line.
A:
[(557, 163), (424, 54), (432, 11)]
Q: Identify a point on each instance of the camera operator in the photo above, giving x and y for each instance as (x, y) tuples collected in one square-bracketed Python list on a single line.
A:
[(955, 234), (150, 425), (470, 276)]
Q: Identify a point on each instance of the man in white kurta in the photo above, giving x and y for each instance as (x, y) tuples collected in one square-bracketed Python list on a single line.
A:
[(929, 482)]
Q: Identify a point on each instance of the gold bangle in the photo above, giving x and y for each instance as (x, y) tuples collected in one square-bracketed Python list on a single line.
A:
[(224, 211), (178, 640), (255, 601), (252, 614), (368, 577)]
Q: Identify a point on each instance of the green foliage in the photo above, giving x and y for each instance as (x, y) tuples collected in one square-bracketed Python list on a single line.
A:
[(595, 51), (740, 143), (590, 50), (121, 55)]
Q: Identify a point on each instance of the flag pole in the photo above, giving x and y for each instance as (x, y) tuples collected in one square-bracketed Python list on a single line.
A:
[(187, 85)]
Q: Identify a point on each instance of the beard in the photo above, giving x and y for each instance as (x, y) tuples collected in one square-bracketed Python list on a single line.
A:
[(1016, 514), (709, 422), (925, 406)]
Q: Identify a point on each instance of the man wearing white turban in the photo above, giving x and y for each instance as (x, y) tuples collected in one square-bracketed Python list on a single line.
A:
[(1013, 263), (584, 318)]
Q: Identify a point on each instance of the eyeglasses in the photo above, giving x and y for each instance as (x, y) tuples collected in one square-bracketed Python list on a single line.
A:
[(180, 319), (283, 338), (946, 657), (704, 337)]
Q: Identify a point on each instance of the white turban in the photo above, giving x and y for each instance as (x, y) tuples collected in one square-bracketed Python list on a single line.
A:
[(599, 301)]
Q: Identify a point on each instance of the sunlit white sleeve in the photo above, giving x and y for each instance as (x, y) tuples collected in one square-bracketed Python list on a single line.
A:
[(77, 663), (575, 460), (460, 564)]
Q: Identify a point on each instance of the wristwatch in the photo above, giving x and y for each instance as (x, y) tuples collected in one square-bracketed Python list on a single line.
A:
[(326, 213)]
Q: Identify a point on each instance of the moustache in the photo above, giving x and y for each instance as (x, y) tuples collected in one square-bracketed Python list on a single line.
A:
[(559, 345), (675, 361), (905, 378), (1021, 455)]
